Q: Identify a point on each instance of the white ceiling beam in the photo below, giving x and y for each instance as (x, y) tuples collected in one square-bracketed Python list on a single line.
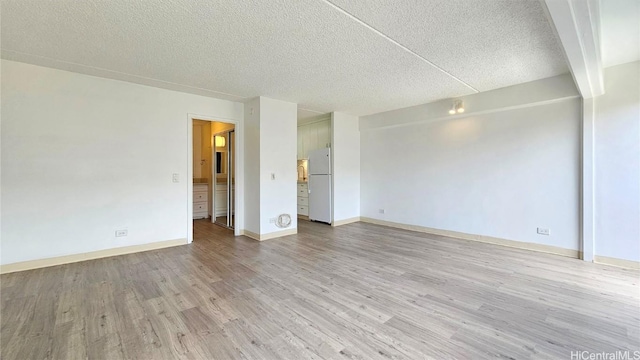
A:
[(577, 23)]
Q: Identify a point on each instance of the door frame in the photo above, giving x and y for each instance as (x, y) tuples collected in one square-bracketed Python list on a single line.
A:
[(239, 187)]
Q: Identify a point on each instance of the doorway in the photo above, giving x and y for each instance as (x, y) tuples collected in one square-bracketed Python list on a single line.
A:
[(213, 170)]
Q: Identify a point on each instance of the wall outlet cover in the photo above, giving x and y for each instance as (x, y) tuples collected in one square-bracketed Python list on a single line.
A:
[(543, 231), (121, 233)]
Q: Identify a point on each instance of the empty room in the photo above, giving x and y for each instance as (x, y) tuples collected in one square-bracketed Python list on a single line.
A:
[(320, 179)]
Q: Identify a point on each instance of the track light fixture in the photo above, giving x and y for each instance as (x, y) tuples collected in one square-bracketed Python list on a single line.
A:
[(457, 107)]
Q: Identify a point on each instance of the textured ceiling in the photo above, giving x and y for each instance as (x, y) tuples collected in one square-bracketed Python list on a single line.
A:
[(620, 31), (488, 44), (359, 57)]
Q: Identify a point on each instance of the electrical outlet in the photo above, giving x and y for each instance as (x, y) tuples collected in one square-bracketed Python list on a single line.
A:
[(176, 178), (381, 211), (543, 231), (272, 221), (121, 233)]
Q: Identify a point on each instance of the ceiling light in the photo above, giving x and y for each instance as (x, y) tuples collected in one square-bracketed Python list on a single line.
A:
[(457, 107), (220, 141)]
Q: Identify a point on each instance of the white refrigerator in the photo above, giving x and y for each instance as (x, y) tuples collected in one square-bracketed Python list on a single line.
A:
[(320, 185)]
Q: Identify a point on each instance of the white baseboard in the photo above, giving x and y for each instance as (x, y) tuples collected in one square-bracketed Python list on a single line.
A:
[(577, 254), (250, 234), (480, 238), (628, 264), (272, 235), (67, 259), (345, 221), (278, 234)]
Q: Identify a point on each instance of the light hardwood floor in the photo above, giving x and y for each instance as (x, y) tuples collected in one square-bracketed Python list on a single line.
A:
[(359, 291)]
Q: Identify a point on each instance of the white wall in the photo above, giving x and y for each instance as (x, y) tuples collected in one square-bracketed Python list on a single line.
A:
[(278, 148), (345, 135), (271, 145), (494, 173), (252, 165), (617, 164), (84, 156)]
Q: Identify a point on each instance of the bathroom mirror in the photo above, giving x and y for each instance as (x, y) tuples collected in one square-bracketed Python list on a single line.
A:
[(221, 162)]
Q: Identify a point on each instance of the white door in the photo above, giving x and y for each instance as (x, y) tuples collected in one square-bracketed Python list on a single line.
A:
[(320, 198)]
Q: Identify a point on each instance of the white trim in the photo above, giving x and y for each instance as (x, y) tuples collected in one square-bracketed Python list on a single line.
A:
[(67, 259), (345, 221), (627, 264), (277, 234), (250, 234), (587, 206), (577, 26), (332, 130), (189, 180), (239, 186), (480, 238), (271, 235)]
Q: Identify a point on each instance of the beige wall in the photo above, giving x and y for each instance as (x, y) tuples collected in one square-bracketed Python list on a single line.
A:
[(201, 149), (219, 127)]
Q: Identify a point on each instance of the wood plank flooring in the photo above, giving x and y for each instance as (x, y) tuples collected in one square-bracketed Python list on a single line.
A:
[(359, 291)]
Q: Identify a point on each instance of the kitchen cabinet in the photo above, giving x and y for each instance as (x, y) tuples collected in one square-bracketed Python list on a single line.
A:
[(303, 199), (300, 144), (313, 136), (200, 201)]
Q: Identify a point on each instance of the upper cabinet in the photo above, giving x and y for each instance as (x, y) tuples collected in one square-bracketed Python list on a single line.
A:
[(323, 132), (316, 135), (300, 143), (310, 140)]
